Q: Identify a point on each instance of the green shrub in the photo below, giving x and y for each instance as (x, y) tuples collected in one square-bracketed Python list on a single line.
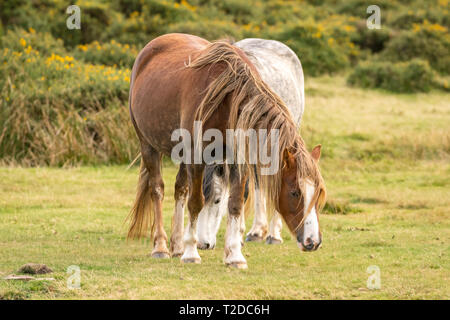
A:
[(427, 41), (340, 31), (317, 51), (111, 53), (421, 12), (443, 83), (43, 42), (280, 12), (57, 110), (243, 12), (95, 19), (169, 10), (154, 19), (357, 8), (127, 7), (211, 30), (406, 19), (412, 76), (50, 16), (64, 91), (374, 40), (11, 11)]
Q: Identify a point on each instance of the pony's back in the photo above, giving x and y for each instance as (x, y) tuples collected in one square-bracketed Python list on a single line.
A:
[(280, 68)]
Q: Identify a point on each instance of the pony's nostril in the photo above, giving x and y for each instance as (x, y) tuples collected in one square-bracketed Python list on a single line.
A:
[(308, 244)]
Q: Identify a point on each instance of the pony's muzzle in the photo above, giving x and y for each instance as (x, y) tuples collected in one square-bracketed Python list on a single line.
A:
[(308, 244)]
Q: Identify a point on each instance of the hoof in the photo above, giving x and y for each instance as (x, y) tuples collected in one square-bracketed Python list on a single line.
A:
[(160, 255), (238, 265), (272, 240), (176, 254), (191, 260), (253, 237)]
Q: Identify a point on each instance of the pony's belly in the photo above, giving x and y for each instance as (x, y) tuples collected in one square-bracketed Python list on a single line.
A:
[(159, 136)]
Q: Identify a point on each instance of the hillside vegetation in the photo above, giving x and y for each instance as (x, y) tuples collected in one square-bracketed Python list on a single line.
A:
[(64, 92)]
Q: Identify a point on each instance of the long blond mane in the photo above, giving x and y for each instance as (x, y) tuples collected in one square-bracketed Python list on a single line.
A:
[(255, 106)]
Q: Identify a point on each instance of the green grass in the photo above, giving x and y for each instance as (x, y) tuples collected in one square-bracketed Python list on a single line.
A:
[(385, 163)]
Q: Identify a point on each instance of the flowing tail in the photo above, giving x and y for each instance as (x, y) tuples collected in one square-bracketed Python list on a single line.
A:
[(141, 215)]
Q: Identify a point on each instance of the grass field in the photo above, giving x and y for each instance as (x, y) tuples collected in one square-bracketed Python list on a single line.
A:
[(386, 165)]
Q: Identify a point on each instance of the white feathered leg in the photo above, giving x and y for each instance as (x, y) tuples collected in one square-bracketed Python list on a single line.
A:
[(233, 253), (259, 228), (275, 226)]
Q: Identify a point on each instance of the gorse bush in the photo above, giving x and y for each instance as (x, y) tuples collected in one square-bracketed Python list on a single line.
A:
[(428, 41), (315, 49), (241, 11), (50, 16), (374, 40), (151, 19), (135, 22), (412, 76), (207, 29), (357, 8), (279, 12), (61, 75), (57, 110), (111, 53), (435, 12), (43, 42)]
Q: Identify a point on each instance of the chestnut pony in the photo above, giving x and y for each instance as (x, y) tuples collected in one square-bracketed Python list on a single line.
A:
[(178, 79)]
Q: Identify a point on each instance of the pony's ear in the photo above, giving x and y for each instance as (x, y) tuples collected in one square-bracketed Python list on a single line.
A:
[(288, 159), (315, 153)]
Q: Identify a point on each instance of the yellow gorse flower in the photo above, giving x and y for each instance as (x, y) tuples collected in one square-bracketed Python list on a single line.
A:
[(427, 26)]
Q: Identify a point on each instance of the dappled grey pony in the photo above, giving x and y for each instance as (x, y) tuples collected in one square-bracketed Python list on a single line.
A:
[(280, 68)]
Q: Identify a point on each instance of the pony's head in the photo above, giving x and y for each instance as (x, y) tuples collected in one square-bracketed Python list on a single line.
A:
[(301, 198)]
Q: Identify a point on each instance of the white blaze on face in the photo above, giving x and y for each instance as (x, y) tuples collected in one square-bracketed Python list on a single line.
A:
[(211, 214), (311, 225), (202, 226), (216, 214)]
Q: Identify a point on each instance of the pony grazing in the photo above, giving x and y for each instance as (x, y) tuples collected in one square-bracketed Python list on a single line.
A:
[(280, 68), (178, 79)]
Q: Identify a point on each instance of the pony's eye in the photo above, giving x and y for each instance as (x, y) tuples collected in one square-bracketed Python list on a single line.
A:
[(295, 193)]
